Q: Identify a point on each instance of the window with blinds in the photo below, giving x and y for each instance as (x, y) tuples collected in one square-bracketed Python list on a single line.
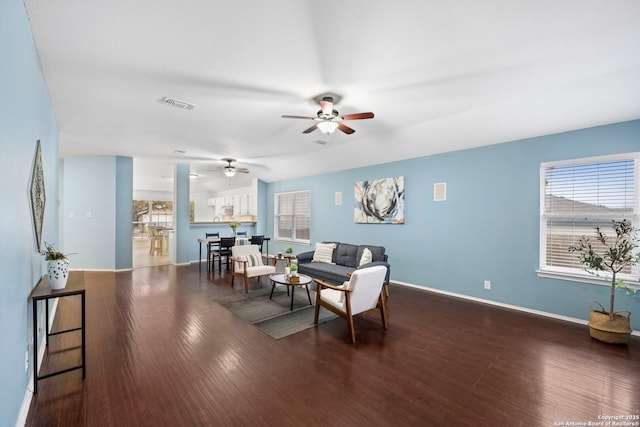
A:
[(293, 216), (576, 197)]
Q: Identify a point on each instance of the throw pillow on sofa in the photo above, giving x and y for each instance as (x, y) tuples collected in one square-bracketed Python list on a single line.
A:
[(324, 252), (366, 257)]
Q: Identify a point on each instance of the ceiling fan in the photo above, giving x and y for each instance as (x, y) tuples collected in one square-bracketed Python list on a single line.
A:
[(230, 170), (329, 119)]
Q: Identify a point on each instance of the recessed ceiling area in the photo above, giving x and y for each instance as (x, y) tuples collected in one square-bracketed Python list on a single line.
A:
[(439, 76)]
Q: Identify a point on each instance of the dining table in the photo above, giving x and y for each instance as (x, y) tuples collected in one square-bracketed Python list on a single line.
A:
[(240, 240)]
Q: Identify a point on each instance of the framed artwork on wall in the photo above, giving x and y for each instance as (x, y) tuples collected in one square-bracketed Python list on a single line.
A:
[(379, 201), (37, 195)]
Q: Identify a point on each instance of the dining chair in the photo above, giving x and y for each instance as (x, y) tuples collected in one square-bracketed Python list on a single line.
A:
[(257, 240), (224, 250), (211, 246)]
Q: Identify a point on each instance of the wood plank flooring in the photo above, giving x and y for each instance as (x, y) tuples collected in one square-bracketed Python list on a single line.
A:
[(160, 352)]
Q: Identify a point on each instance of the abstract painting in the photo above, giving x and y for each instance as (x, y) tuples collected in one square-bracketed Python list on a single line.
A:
[(37, 195), (379, 201)]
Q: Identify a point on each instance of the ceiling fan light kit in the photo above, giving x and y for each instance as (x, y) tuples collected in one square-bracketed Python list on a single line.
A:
[(329, 119), (230, 170), (327, 127)]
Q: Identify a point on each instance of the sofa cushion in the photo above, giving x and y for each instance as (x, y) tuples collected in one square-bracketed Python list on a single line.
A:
[(346, 255), (332, 273), (324, 253), (377, 252)]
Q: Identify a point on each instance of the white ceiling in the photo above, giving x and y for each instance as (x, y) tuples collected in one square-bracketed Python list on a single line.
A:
[(439, 76)]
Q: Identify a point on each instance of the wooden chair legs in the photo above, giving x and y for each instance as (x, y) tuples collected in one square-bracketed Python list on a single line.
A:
[(348, 315), (383, 311)]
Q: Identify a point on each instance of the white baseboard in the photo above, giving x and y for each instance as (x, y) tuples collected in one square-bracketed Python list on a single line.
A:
[(26, 403), (498, 304), (28, 395)]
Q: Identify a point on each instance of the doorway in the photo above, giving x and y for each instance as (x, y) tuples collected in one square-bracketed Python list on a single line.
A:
[(152, 223)]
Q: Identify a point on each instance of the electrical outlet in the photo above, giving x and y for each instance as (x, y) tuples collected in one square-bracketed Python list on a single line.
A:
[(487, 284)]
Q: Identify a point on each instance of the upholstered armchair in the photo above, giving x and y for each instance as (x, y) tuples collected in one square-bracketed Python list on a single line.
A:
[(361, 293), (246, 261)]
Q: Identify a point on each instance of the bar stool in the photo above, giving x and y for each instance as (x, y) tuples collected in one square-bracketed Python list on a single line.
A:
[(157, 240)]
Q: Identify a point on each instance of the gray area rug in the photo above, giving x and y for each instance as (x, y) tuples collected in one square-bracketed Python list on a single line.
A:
[(273, 317)]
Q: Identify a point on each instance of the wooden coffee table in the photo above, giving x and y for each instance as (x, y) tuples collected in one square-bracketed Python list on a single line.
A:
[(283, 280)]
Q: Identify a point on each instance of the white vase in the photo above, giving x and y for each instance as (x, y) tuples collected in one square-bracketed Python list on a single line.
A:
[(58, 272)]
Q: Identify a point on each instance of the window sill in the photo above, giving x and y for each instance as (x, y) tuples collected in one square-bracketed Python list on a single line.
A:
[(293, 242), (582, 278)]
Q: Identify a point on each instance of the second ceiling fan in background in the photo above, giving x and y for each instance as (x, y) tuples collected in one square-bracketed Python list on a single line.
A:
[(230, 170)]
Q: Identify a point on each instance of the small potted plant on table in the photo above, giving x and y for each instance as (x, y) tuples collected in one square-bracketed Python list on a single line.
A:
[(57, 267), (234, 226), (613, 255)]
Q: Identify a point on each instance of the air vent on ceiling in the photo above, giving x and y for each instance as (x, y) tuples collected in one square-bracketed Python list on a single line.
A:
[(177, 103)]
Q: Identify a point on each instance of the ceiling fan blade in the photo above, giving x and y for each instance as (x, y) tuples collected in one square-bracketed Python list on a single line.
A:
[(345, 129), (298, 117), (311, 129), (358, 116), (242, 170)]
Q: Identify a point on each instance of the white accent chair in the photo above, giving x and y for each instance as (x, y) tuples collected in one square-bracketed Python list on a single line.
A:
[(361, 293), (246, 261)]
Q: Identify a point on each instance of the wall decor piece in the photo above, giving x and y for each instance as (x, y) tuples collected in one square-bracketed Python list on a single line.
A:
[(37, 195), (379, 201), (439, 191)]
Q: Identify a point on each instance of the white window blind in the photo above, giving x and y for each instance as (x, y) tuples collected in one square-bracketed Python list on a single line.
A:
[(578, 196), (292, 216)]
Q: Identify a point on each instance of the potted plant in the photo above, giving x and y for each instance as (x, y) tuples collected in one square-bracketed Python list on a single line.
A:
[(57, 266), (293, 268), (288, 251), (612, 255), (234, 226)]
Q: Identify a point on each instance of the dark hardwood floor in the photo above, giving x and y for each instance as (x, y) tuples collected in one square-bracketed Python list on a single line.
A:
[(160, 352)]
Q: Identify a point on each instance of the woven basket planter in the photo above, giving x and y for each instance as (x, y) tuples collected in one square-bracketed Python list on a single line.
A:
[(611, 331)]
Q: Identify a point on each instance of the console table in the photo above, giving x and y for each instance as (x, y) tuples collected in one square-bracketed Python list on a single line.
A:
[(75, 286)]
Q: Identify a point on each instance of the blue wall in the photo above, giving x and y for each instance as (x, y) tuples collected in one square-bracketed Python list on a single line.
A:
[(181, 214), (98, 199), (123, 213), (26, 116), (487, 229)]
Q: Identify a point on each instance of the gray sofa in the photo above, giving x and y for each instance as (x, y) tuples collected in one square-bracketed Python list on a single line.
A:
[(345, 259)]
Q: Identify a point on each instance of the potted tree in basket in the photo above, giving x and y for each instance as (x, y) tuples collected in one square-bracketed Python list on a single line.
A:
[(612, 255)]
